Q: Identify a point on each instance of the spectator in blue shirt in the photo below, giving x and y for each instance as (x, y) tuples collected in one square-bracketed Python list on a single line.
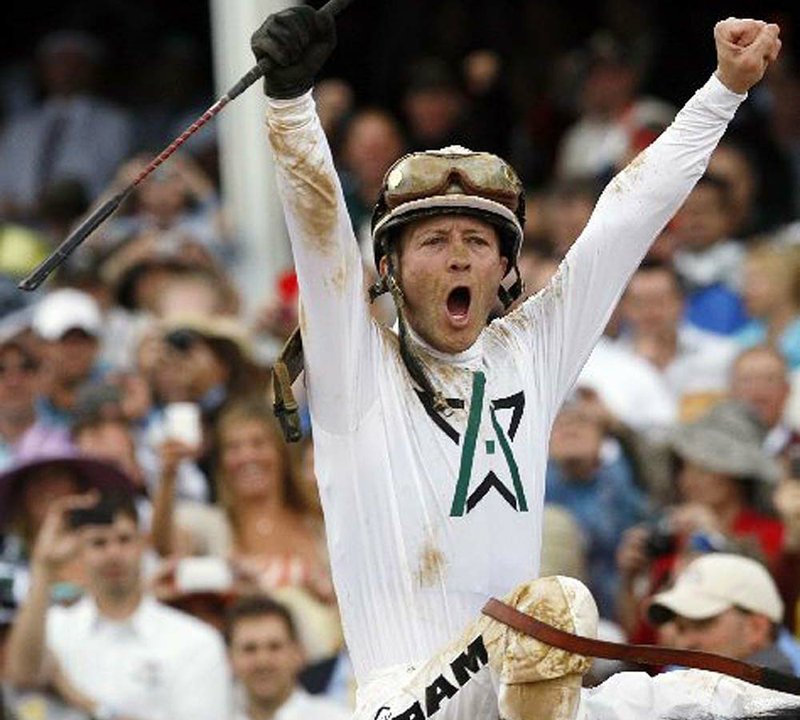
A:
[(708, 261), (588, 474)]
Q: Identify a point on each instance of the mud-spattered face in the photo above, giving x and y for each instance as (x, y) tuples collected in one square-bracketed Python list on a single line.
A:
[(450, 270)]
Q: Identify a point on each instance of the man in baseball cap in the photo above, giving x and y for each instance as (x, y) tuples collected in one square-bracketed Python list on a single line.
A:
[(725, 604), (64, 311), (69, 325)]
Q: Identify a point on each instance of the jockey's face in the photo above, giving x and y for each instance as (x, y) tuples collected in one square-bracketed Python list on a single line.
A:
[(450, 268)]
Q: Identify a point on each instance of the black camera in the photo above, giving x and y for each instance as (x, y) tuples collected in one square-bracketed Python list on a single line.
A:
[(793, 455), (182, 339), (661, 541), (8, 597), (97, 515)]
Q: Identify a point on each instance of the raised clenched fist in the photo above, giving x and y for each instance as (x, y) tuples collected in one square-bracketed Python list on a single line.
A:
[(744, 50)]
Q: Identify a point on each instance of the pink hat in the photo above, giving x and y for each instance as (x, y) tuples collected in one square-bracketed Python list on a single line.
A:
[(91, 473)]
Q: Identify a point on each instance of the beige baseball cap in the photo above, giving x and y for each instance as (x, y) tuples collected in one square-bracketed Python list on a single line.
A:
[(714, 583)]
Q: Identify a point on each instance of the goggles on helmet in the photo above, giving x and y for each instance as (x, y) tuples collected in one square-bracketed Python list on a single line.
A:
[(451, 180), (451, 170)]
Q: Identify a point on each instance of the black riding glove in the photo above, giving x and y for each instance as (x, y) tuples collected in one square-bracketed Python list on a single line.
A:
[(296, 43)]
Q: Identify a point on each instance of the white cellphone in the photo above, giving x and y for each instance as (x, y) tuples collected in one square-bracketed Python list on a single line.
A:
[(203, 574), (182, 422)]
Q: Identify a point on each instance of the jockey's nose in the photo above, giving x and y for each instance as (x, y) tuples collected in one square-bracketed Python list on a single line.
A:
[(459, 256)]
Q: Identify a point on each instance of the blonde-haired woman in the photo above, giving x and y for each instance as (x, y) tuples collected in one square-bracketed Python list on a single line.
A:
[(273, 524), (771, 290), (263, 522)]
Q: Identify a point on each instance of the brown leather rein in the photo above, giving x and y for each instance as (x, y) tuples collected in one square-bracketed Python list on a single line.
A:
[(641, 654)]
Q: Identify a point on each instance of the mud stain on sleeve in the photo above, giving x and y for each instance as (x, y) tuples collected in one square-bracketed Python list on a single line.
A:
[(312, 197), (337, 280), (431, 565), (302, 320), (506, 330), (629, 176)]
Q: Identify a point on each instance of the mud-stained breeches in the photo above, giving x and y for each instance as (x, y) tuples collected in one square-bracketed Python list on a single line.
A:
[(493, 671)]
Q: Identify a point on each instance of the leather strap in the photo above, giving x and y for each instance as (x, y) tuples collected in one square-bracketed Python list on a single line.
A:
[(285, 371), (641, 654)]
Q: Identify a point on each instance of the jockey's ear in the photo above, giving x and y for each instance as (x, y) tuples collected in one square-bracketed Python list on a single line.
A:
[(383, 267)]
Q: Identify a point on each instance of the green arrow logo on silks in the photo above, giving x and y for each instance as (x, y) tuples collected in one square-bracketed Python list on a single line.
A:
[(460, 505)]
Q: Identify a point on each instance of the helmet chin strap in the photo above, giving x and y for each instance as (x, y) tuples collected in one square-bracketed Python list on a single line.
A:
[(509, 295), (389, 283)]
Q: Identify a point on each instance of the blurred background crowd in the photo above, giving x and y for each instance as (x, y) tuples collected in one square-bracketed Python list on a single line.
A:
[(162, 548)]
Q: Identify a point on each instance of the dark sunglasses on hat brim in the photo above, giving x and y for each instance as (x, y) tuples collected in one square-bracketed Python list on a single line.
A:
[(182, 340)]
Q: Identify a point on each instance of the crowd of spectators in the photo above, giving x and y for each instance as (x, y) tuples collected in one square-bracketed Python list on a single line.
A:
[(162, 548)]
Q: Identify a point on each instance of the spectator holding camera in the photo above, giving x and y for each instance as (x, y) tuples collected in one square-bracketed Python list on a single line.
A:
[(106, 431), (123, 654), (729, 605), (27, 489), (266, 658), (207, 362), (722, 467)]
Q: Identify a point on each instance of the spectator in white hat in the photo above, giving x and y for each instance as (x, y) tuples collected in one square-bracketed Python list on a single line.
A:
[(69, 324), (22, 430), (725, 604)]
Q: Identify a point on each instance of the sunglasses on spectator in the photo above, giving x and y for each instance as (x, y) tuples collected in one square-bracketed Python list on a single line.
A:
[(26, 366), (182, 340)]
